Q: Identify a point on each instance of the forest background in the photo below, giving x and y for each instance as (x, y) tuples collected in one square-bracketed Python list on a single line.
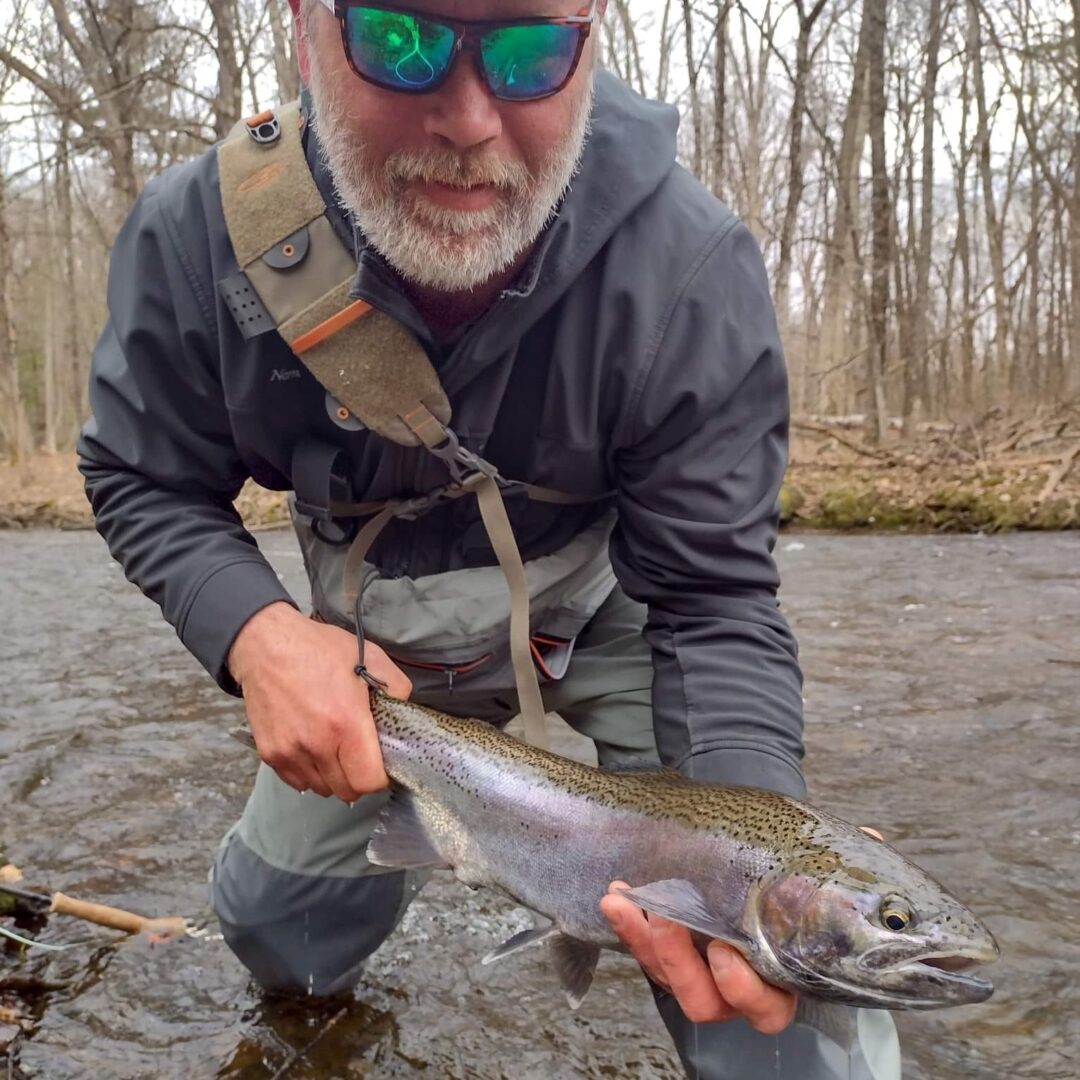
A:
[(909, 167)]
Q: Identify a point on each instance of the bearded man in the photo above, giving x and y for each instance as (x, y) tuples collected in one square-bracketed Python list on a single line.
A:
[(601, 325)]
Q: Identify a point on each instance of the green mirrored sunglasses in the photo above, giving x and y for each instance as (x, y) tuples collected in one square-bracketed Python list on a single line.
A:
[(410, 51)]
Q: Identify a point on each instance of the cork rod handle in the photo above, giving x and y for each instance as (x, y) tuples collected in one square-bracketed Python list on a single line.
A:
[(116, 918)]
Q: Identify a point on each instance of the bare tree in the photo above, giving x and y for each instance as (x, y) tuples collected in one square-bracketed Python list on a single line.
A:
[(229, 101), (842, 252), (796, 165), (719, 135), (875, 14), (920, 332), (286, 66)]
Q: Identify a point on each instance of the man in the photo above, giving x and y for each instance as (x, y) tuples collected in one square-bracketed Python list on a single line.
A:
[(601, 326)]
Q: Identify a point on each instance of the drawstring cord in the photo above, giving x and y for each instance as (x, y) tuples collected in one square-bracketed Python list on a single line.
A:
[(373, 681)]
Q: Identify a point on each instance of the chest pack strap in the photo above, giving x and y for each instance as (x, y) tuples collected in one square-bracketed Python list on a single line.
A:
[(295, 277)]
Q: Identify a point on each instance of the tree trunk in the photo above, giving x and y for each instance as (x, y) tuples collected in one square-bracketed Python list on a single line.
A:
[(692, 75), (796, 165), (1072, 380), (841, 256), (229, 102), (720, 51), (15, 429), (993, 226), (74, 365), (286, 68), (1031, 356), (963, 245), (875, 12), (919, 330), (664, 70)]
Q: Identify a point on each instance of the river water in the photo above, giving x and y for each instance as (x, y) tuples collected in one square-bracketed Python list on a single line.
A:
[(942, 681)]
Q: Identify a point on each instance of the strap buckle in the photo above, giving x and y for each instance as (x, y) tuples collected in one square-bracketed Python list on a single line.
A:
[(411, 509), (462, 463)]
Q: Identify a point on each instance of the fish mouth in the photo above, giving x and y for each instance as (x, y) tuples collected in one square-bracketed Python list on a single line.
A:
[(930, 981), (949, 971), (954, 969)]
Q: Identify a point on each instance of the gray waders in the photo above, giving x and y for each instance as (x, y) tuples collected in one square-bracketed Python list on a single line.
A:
[(298, 901)]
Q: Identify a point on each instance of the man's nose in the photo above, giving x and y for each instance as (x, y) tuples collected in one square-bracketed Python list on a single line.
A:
[(463, 111)]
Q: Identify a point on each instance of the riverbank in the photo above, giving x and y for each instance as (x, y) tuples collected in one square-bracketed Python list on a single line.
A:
[(1000, 475), (997, 476), (46, 492)]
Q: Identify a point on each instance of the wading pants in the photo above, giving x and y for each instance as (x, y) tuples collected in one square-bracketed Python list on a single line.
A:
[(302, 908)]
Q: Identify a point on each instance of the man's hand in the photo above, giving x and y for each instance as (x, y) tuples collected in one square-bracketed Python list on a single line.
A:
[(722, 988), (306, 707)]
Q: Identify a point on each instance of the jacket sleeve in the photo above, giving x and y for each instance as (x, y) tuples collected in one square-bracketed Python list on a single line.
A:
[(157, 453), (698, 477)]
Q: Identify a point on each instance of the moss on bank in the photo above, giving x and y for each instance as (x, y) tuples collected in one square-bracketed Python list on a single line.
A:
[(862, 502)]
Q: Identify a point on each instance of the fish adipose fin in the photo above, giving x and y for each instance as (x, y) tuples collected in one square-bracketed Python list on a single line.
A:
[(575, 962), (520, 941), (681, 902), (400, 838)]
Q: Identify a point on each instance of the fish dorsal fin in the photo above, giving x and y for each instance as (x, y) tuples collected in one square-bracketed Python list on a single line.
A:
[(400, 838), (533, 936), (682, 902), (575, 963)]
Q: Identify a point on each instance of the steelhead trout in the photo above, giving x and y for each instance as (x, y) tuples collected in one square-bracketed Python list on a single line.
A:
[(814, 904)]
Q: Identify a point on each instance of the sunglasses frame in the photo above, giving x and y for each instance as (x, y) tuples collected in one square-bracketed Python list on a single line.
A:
[(467, 33)]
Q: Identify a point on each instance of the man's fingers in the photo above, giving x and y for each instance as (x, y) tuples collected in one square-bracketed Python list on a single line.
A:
[(686, 973), (360, 759), (334, 778), (718, 989), (767, 1008), (299, 772), (667, 954), (632, 929), (398, 684)]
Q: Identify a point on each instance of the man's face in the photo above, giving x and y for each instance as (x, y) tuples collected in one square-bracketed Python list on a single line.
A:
[(452, 186)]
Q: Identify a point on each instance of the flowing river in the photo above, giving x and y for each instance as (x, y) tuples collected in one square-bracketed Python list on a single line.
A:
[(941, 699)]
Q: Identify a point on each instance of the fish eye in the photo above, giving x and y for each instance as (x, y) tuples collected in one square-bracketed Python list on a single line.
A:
[(896, 915)]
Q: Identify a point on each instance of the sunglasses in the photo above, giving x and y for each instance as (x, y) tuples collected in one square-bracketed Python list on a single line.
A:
[(520, 59)]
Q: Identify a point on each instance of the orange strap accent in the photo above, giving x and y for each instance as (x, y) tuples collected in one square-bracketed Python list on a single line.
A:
[(255, 121), (429, 438), (356, 310)]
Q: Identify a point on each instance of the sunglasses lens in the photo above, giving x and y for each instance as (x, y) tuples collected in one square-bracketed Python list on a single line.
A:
[(523, 62), (400, 52)]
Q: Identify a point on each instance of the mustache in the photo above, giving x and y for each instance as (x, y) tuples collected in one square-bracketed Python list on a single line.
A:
[(457, 170)]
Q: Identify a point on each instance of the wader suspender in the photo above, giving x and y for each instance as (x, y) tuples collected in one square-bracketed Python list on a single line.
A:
[(295, 277)]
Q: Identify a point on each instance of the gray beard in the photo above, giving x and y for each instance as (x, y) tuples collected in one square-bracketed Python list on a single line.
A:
[(434, 246)]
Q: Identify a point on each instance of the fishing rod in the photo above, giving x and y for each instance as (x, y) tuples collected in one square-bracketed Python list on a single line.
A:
[(57, 903)]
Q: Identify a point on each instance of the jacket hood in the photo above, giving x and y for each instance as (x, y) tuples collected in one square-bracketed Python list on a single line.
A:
[(627, 155)]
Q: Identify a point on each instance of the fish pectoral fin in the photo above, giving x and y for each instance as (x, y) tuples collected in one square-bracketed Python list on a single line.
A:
[(837, 1022), (575, 962), (400, 838), (681, 901), (519, 941)]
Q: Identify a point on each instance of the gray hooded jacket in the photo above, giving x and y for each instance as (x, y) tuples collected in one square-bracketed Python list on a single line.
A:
[(637, 353)]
